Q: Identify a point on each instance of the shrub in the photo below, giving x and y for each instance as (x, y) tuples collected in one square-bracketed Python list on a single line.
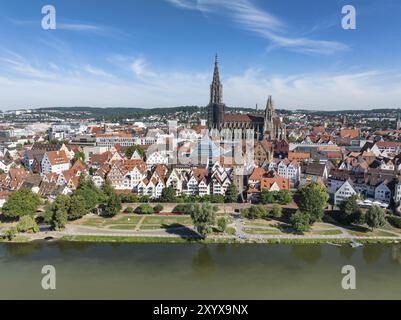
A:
[(158, 208), (276, 212), (395, 221), (145, 209), (11, 233), (27, 224), (129, 210), (222, 224)]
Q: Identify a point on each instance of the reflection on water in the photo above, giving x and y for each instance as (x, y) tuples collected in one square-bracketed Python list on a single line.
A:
[(203, 264), (193, 271), (373, 253), (309, 254)]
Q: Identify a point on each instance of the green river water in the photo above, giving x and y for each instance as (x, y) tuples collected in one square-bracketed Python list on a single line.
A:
[(191, 271)]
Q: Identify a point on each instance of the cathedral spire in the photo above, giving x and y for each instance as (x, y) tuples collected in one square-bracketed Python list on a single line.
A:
[(216, 89)]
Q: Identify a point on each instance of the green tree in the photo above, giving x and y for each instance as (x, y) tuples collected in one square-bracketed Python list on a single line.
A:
[(350, 212), (10, 233), (107, 188), (283, 197), (300, 221), (58, 212), (93, 196), (27, 224), (204, 217), (255, 212), (266, 197), (222, 224), (276, 212), (21, 203), (231, 194), (77, 208), (312, 199), (131, 150), (78, 156), (375, 217), (113, 205), (168, 195)]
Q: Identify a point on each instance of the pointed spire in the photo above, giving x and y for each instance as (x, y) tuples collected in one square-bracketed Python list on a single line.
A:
[(216, 89)]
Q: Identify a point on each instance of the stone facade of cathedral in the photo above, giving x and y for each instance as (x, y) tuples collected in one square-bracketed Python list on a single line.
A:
[(267, 127)]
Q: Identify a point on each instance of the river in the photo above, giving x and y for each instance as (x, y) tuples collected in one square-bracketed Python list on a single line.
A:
[(180, 271)]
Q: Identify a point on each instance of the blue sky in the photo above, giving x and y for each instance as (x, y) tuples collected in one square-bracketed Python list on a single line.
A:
[(159, 53)]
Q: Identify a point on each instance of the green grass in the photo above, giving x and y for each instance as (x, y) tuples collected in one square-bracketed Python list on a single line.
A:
[(121, 227), (325, 232), (167, 220), (371, 234), (260, 231), (145, 240)]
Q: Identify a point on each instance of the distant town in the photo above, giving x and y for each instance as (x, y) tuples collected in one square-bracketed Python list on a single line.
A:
[(226, 173)]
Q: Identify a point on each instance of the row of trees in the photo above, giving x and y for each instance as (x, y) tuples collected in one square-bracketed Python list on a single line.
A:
[(260, 212), (83, 200), (282, 197)]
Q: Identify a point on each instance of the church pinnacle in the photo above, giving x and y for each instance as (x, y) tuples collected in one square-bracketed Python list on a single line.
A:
[(216, 89)]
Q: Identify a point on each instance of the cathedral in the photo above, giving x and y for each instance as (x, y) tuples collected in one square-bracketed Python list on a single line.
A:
[(267, 127)]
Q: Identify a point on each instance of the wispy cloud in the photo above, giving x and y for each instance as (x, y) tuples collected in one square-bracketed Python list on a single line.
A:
[(50, 84), (250, 17)]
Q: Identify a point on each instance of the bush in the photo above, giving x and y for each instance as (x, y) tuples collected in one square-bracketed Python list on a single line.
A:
[(222, 224), (27, 224), (183, 208), (276, 212), (10, 234), (395, 221), (254, 212), (158, 208), (129, 210), (145, 209), (300, 221)]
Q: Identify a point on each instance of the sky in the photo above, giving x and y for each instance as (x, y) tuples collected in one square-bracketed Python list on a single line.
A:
[(160, 53)]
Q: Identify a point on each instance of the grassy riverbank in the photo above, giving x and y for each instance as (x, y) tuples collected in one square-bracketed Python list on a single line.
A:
[(177, 240)]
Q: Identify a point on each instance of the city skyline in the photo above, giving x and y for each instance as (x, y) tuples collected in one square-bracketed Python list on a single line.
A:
[(104, 55)]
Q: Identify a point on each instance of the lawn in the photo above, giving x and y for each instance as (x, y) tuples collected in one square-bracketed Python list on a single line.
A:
[(325, 232), (260, 231), (371, 234)]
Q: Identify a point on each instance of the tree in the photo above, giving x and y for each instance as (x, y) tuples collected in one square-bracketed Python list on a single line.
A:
[(300, 221), (312, 199), (78, 156), (375, 217), (168, 195), (58, 212), (93, 196), (107, 188), (145, 209), (266, 197), (10, 233), (113, 205), (350, 211), (27, 224), (21, 203), (158, 208), (204, 217), (277, 212), (131, 150), (231, 194), (283, 197), (255, 212), (76, 208), (222, 224)]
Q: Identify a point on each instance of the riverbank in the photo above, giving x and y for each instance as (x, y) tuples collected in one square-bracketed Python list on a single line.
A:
[(176, 240)]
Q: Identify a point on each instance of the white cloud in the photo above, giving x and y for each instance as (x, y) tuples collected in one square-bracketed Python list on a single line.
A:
[(251, 18), (49, 85)]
